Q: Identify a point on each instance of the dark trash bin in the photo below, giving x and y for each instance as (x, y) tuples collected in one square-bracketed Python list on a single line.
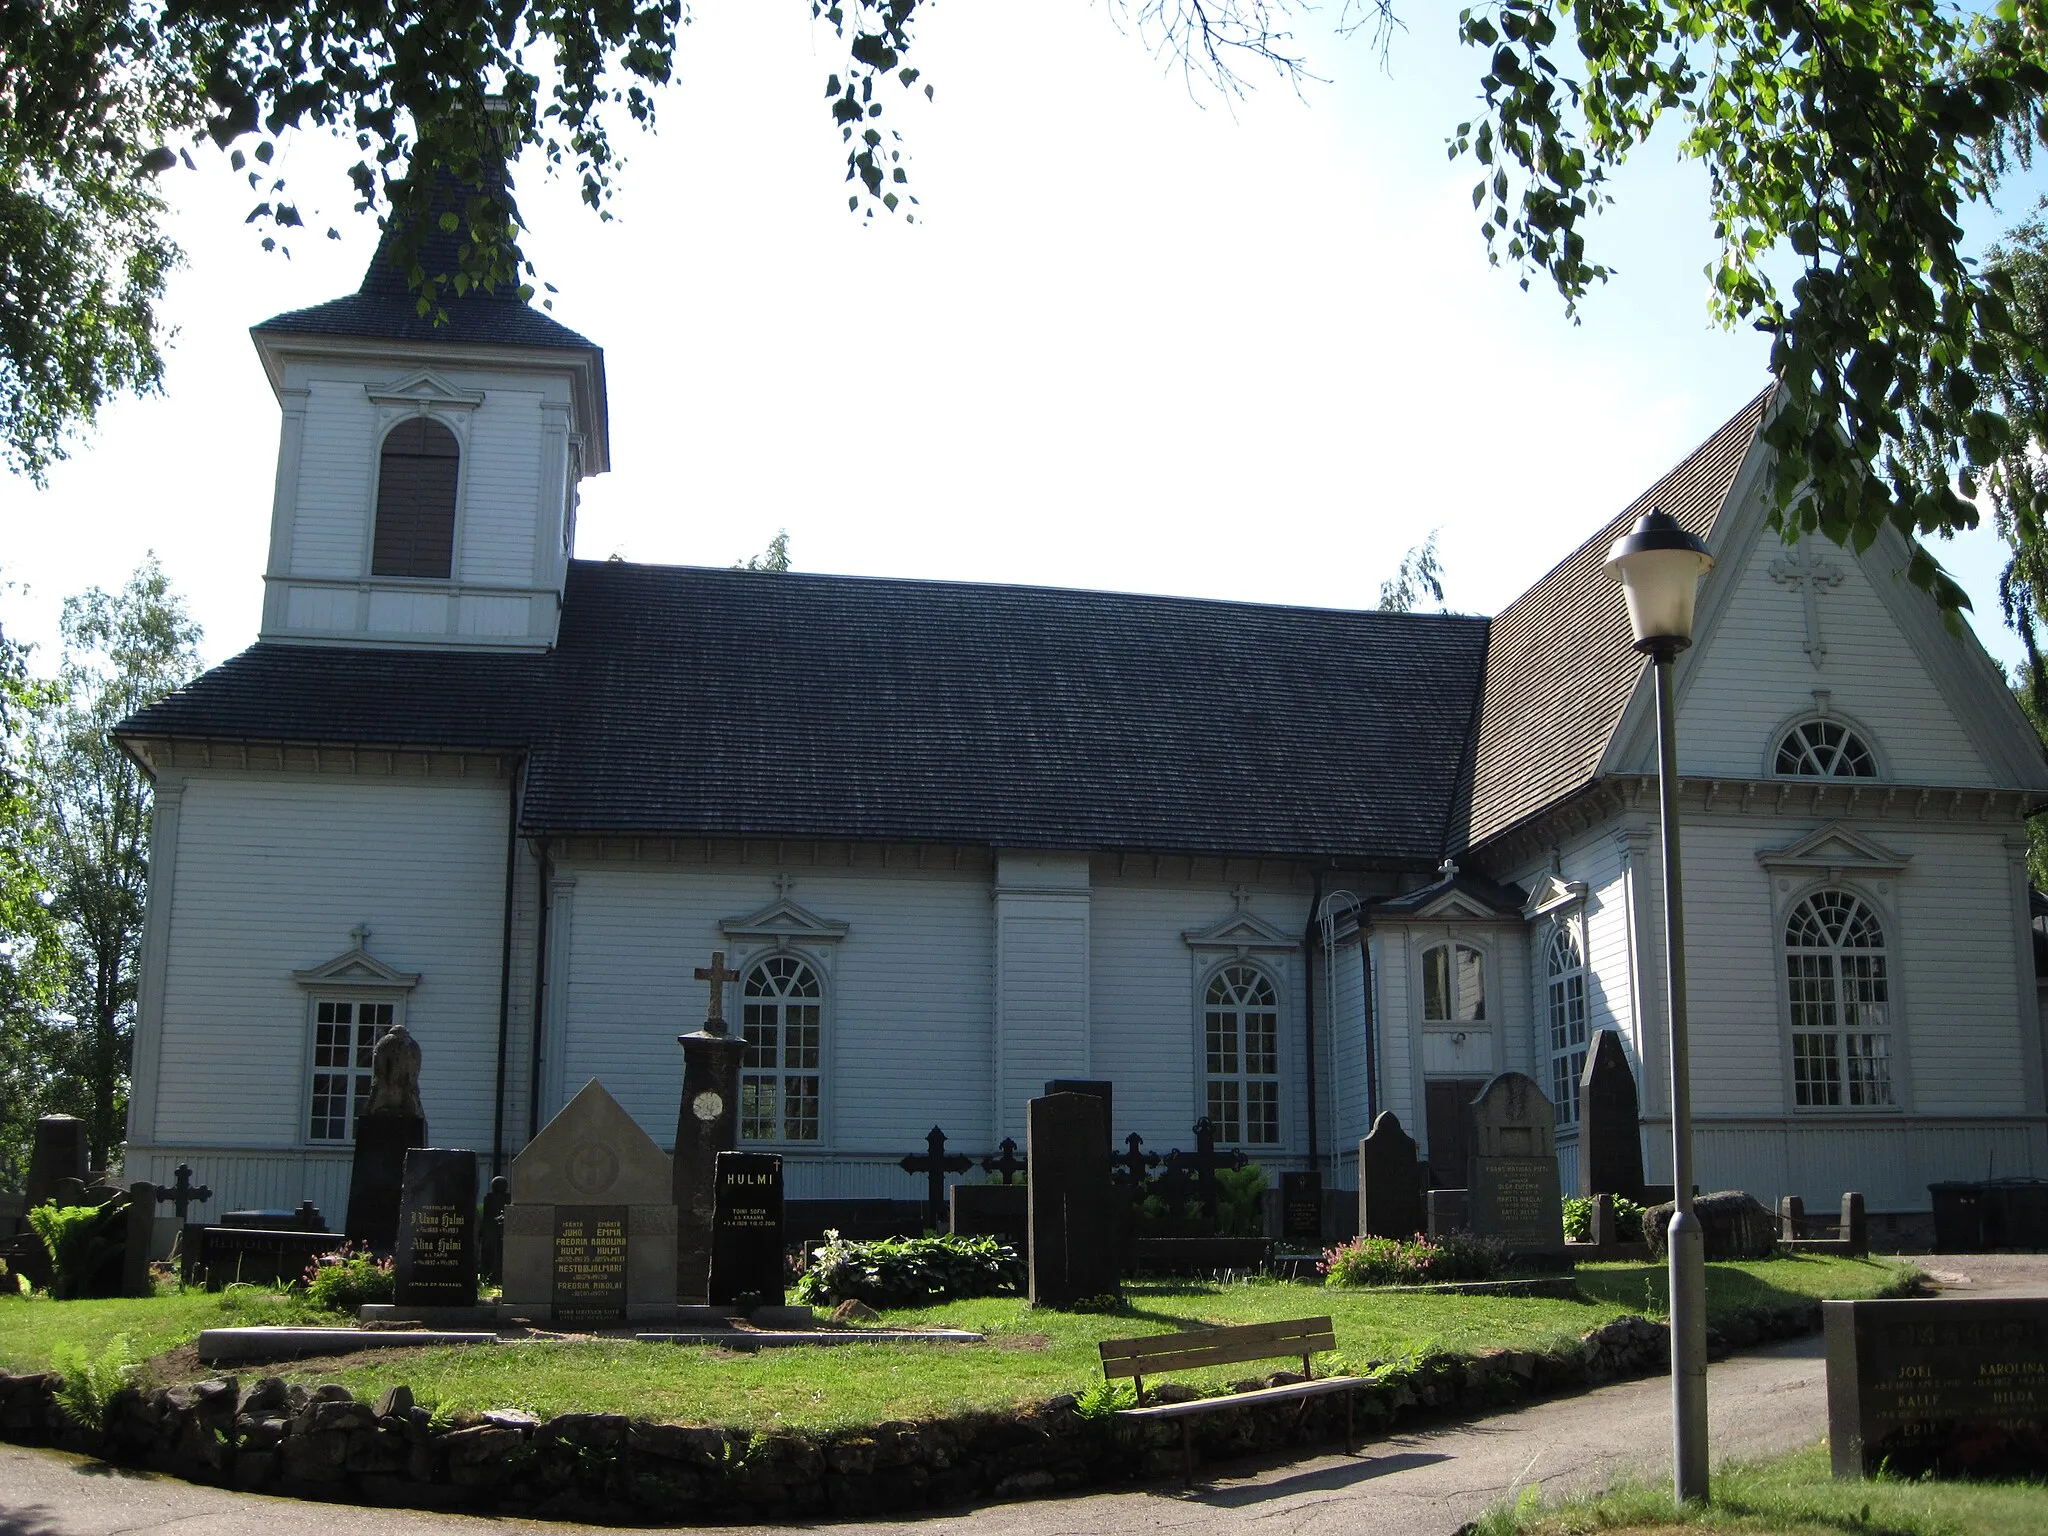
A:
[(1958, 1217), (2016, 1213)]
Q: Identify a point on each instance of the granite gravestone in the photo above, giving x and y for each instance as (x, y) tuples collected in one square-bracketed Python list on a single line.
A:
[(491, 1235), (1389, 1181), (59, 1153), (707, 1124), (1301, 1211), (1511, 1191), (434, 1261), (1610, 1122), (1073, 1232), (590, 1235), (392, 1124), (746, 1231), (1956, 1386), (990, 1210)]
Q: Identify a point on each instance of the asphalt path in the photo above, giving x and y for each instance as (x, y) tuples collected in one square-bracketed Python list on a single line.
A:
[(1423, 1484)]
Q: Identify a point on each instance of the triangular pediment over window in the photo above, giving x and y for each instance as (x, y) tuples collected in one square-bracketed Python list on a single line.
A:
[(783, 922), (358, 970), (1552, 892), (1242, 931), (425, 388), (1834, 847)]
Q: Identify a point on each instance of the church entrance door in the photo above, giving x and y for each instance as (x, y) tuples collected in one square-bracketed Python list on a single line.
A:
[(1444, 1102)]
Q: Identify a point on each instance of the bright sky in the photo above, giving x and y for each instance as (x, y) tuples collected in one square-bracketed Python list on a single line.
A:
[(1136, 339)]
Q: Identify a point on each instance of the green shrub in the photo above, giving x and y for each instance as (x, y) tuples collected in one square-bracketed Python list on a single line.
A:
[(1578, 1219), (909, 1271), (344, 1280), (1238, 1192), (1366, 1261), (90, 1381), (81, 1240)]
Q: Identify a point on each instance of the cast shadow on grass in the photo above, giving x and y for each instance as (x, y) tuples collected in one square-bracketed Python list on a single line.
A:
[(1729, 1288)]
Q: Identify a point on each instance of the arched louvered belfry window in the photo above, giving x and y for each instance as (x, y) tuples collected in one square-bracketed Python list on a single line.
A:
[(1824, 749), (416, 479)]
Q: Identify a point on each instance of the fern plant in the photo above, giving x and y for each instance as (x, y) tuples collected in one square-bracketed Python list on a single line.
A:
[(90, 1381)]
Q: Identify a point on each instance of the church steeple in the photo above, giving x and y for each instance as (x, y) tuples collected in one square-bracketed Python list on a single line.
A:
[(428, 465)]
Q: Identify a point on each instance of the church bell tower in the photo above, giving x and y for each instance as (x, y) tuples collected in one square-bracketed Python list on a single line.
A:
[(427, 473)]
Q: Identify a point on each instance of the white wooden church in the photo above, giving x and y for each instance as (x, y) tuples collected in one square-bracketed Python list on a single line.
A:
[(1281, 867)]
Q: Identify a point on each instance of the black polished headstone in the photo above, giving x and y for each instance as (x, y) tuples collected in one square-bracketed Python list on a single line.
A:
[(1301, 1210), (1954, 1387), (434, 1261), (1074, 1231), (1096, 1088), (1512, 1190), (1610, 1122), (377, 1177), (990, 1210), (1390, 1181), (746, 1230), (59, 1153), (253, 1255), (707, 1125), (590, 1265)]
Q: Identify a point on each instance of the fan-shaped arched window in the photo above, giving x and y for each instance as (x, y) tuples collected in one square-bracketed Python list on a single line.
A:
[(782, 1013), (1565, 965), (416, 480), (1840, 994), (1241, 1036), (1824, 749)]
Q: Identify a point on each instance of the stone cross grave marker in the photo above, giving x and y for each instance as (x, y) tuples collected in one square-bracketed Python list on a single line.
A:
[(746, 1238), (182, 1194), (1512, 1188), (1955, 1387), (1006, 1164), (1202, 1163), (590, 1235), (1610, 1122), (1073, 1231), (934, 1163), (1389, 1181), (391, 1126), (707, 1123), (434, 1263)]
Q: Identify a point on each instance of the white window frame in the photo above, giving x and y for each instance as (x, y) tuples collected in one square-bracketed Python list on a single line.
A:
[(1564, 1019), (359, 979), (1235, 1070), (1834, 720), (1838, 1031), (782, 1071)]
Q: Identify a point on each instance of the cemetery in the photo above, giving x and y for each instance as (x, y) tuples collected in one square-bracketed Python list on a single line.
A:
[(611, 1332)]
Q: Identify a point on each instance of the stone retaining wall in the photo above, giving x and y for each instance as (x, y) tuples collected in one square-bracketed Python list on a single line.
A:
[(319, 1443)]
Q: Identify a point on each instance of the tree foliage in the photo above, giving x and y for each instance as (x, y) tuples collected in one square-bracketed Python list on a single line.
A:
[(28, 951), (1420, 579), (90, 806), (774, 558)]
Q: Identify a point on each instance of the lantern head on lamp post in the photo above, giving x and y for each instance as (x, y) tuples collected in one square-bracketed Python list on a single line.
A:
[(1659, 566)]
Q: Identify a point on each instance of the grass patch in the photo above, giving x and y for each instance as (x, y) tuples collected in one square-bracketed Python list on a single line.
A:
[(1029, 1355), (1790, 1496)]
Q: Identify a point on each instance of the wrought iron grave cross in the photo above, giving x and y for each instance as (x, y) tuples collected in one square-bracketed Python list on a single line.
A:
[(1131, 1165), (184, 1194), (934, 1164), (1008, 1164), (1203, 1163)]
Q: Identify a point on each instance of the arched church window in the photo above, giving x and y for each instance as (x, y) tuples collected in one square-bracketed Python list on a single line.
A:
[(1453, 984), (1241, 1039), (1841, 1019), (1565, 989), (782, 1014), (416, 480), (1824, 749)]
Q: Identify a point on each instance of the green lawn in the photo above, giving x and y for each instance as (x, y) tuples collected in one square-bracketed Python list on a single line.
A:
[(1028, 1356), (1793, 1496)]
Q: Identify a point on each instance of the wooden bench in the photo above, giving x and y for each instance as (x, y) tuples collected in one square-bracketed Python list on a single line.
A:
[(1161, 1352)]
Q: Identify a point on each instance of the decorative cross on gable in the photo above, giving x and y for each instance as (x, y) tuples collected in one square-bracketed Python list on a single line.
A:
[(783, 882), (1806, 569), (361, 934), (718, 976)]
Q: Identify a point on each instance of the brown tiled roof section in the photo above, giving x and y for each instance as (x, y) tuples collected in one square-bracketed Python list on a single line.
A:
[(1559, 667)]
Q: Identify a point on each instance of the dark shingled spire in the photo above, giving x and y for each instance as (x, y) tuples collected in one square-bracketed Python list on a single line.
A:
[(387, 308)]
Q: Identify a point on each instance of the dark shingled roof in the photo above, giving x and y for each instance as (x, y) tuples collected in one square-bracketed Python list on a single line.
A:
[(1559, 665), (733, 702), (385, 307)]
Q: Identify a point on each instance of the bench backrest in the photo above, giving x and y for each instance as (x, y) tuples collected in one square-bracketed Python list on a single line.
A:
[(1304, 1336)]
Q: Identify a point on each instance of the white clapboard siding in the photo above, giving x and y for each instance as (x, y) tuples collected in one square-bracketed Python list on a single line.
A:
[(1350, 1092), (246, 1179), (336, 481), (501, 511), (1041, 979), (1889, 1164), (1146, 995), (908, 1005), (1753, 674), (1398, 1069), (273, 870)]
